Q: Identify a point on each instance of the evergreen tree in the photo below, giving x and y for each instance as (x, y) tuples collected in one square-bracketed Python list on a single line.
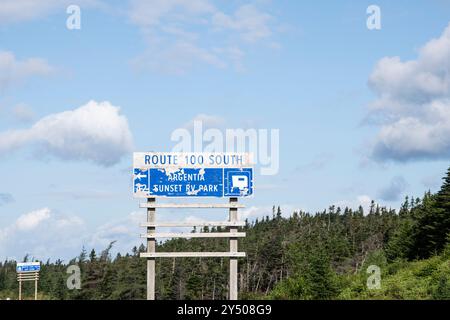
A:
[(441, 221), (320, 278), (425, 227), (92, 256), (304, 256)]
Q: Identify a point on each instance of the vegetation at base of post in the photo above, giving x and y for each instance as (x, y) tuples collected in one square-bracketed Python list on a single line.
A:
[(306, 256)]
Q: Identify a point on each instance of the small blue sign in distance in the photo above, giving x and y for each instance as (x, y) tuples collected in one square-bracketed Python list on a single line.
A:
[(21, 267)]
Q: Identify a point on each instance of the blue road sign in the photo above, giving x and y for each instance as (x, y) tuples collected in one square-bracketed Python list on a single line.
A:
[(28, 267), (193, 182)]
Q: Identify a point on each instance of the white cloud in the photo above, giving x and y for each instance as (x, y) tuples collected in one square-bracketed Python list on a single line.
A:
[(183, 34), (150, 12), (31, 220), (13, 71), (413, 105), (66, 222), (13, 11), (42, 234), (95, 132), (426, 136), (124, 231), (251, 23), (176, 58), (234, 54), (23, 113), (45, 234), (255, 212)]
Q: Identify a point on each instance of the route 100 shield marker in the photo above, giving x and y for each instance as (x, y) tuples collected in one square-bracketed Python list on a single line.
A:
[(192, 175)]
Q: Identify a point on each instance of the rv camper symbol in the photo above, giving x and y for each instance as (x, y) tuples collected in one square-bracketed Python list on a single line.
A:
[(238, 183)]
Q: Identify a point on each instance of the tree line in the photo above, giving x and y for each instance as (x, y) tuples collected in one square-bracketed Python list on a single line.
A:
[(324, 255)]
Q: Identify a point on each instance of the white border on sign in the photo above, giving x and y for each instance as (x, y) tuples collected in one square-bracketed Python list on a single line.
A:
[(22, 264), (139, 163)]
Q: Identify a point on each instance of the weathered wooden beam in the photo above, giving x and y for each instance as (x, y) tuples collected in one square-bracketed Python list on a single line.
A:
[(194, 235), (27, 275), (30, 279), (28, 272), (191, 254), (192, 205), (194, 224)]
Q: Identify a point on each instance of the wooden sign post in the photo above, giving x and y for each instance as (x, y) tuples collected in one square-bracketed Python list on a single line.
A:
[(192, 175), (233, 248), (151, 248), (28, 271), (232, 234)]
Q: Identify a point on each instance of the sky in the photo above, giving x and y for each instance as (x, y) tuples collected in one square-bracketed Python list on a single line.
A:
[(363, 114)]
